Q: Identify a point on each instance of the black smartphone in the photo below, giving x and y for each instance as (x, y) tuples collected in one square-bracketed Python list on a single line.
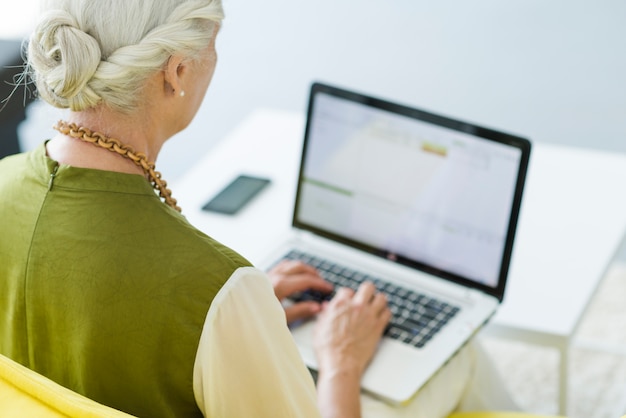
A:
[(236, 194)]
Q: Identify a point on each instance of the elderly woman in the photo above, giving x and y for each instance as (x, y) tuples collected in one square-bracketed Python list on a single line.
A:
[(109, 291)]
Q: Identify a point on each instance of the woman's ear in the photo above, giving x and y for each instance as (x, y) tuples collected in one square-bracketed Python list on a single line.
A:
[(173, 75)]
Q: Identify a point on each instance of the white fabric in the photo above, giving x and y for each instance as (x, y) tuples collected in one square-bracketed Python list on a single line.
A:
[(468, 382), (248, 365), (486, 390), (437, 399)]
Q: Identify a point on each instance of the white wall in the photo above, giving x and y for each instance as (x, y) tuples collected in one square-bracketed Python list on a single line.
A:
[(551, 70)]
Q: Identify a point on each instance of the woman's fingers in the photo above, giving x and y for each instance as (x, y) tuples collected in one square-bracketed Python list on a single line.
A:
[(293, 266), (302, 310), (365, 293), (290, 276)]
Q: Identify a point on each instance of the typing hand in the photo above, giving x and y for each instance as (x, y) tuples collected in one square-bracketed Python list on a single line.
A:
[(349, 328), (289, 277)]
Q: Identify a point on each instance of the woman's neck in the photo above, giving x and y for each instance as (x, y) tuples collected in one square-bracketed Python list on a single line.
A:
[(133, 130)]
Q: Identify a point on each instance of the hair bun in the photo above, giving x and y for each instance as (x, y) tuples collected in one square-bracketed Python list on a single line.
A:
[(89, 53), (64, 59)]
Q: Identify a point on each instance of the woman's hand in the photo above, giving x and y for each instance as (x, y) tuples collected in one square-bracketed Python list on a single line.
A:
[(289, 277), (349, 328), (346, 335)]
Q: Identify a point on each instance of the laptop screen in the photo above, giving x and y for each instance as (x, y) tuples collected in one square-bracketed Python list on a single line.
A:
[(414, 187)]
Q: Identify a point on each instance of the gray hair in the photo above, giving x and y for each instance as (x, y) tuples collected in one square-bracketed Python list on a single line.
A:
[(86, 52)]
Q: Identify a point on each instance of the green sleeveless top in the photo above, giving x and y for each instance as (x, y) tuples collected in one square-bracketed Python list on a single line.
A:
[(104, 288)]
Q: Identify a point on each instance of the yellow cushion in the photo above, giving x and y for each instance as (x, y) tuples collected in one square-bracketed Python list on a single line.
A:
[(498, 415), (24, 393)]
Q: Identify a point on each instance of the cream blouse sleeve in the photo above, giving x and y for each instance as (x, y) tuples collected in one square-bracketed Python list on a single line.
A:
[(247, 364)]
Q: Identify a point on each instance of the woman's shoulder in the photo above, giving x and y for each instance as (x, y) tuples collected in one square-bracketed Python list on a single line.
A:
[(193, 242), (13, 162), (27, 164)]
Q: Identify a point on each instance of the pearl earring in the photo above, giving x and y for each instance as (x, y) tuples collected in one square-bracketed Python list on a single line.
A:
[(182, 93)]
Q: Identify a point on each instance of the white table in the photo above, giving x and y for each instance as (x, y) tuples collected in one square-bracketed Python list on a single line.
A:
[(572, 222)]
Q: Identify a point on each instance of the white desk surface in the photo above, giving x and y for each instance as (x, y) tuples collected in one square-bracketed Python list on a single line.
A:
[(572, 221)]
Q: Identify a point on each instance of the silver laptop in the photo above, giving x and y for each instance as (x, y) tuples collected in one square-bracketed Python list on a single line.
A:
[(422, 205)]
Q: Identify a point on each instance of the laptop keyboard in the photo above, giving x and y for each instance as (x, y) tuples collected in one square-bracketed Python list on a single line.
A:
[(416, 318)]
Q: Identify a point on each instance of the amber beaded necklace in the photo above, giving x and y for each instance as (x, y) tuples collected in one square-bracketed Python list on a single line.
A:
[(126, 151)]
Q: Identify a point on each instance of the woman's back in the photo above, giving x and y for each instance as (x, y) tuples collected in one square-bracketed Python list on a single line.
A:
[(106, 288)]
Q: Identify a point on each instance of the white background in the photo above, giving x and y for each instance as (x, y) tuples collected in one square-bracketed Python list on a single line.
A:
[(553, 71)]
